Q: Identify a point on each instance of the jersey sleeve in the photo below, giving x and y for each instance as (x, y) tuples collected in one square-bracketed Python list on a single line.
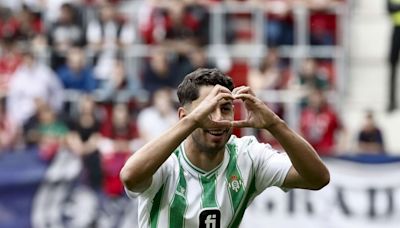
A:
[(159, 177), (271, 167)]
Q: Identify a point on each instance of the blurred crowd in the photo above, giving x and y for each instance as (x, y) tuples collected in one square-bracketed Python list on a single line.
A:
[(70, 75)]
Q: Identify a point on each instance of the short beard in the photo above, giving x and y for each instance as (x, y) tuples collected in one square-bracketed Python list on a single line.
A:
[(210, 151)]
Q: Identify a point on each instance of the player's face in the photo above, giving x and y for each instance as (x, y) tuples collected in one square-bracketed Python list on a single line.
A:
[(213, 140)]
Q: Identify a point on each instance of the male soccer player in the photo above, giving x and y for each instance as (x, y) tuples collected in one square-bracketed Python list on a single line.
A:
[(199, 175)]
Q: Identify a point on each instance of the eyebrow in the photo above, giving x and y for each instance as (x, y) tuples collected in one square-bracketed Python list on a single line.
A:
[(227, 103)]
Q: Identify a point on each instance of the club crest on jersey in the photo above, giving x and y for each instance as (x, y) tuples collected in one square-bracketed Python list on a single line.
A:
[(235, 183)]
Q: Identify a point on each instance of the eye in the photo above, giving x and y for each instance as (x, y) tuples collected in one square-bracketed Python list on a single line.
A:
[(226, 108)]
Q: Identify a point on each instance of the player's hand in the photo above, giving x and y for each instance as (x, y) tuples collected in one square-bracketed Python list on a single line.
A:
[(202, 113), (258, 113)]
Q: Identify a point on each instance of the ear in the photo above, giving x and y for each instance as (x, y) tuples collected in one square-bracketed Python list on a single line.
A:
[(182, 112)]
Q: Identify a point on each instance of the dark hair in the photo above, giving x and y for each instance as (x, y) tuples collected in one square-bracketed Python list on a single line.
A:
[(188, 90)]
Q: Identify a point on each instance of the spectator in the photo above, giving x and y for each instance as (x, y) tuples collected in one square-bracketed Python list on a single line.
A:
[(8, 130), (10, 59), (268, 75), (32, 80), (322, 25), (76, 74), (198, 58), (186, 22), (23, 25), (161, 115), (115, 148), (195, 58), (30, 128), (52, 131), (370, 138), (64, 34), (45, 130), (109, 32), (320, 125), (394, 53), (279, 28), (152, 21), (197, 19), (83, 139), (157, 72), (310, 77), (52, 9), (29, 24), (118, 85)]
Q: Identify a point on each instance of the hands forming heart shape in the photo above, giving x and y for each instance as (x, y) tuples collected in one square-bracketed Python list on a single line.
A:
[(258, 114)]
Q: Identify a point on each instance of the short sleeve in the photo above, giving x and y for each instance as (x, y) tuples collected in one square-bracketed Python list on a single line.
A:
[(159, 178), (271, 167)]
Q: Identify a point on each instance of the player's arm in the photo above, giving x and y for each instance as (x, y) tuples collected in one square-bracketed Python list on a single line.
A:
[(307, 171), (138, 170)]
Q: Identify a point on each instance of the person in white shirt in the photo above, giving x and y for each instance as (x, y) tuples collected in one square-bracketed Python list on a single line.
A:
[(32, 81), (196, 174), (156, 119)]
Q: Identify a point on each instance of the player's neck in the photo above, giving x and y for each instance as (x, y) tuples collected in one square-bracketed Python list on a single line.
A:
[(203, 160)]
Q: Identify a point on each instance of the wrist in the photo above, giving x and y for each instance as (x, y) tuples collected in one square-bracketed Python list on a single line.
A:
[(190, 122), (276, 124)]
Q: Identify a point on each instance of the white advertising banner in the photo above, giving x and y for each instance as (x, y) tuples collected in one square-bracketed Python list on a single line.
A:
[(358, 196)]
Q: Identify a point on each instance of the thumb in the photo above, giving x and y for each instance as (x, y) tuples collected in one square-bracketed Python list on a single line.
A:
[(221, 123), (241, 123)]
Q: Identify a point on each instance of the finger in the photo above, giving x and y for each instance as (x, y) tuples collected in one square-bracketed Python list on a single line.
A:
[(224, 97), (240, 123), (246, 97), (219, 89), (235, 90), (242, 89), (221, 123)]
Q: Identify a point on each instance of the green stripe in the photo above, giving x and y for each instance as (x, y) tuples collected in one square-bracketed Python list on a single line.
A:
[(178, 205), (208, 197), (238, 217), (155, 209), (234, 179)]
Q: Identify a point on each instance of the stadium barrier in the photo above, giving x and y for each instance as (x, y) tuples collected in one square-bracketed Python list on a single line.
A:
[(364, 192)]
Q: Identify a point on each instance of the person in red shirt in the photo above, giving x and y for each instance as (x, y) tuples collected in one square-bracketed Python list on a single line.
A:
[(323, 23), (10, 59), (319, 124), (115, 148)]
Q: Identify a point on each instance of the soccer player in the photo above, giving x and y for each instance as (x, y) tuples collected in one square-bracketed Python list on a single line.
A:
[(199, 175)]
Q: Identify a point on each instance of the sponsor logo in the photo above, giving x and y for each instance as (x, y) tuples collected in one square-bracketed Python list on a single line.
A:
[(210, 218)]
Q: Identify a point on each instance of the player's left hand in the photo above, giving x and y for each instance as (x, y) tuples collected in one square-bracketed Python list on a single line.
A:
[(259, 115)]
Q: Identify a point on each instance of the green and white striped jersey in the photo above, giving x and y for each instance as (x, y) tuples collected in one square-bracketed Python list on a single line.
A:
[(182, 195)]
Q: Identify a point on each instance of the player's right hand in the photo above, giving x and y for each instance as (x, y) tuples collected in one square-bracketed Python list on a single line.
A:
[(201, 114)]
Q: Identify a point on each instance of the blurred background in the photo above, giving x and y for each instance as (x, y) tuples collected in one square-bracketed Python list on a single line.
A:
[(85, 83)]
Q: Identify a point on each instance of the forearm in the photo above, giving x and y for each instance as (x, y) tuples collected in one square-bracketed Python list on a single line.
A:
[(140, 167), (302, 155)]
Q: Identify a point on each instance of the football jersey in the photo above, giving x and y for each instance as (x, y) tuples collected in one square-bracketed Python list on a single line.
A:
[(182, 195)]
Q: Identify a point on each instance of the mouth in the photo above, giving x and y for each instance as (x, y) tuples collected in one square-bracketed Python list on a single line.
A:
[(217, 132)]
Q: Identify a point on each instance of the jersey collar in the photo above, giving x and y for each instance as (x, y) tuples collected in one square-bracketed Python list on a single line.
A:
[(195, 171)]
